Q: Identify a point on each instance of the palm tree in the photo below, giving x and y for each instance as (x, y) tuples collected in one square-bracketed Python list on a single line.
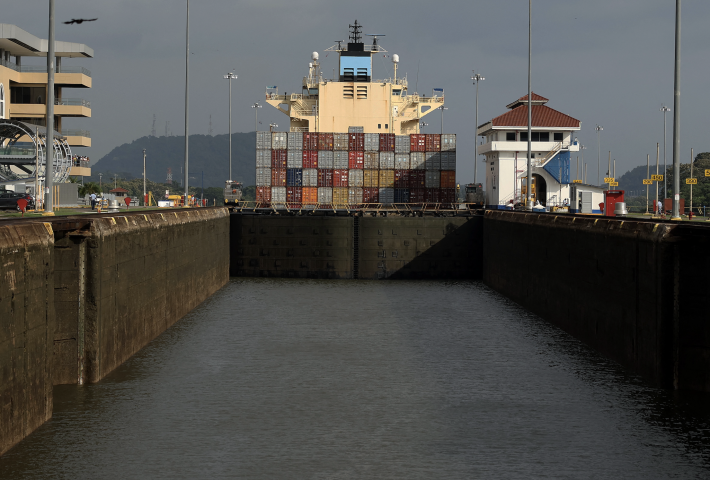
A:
[(88, 189)]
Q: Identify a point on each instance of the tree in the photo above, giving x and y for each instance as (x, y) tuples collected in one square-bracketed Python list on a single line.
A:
[(88, 189), (701, 191)]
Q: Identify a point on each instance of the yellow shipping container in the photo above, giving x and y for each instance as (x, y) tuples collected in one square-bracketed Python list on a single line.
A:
[(386, 178), (371, 178), (340, 195)]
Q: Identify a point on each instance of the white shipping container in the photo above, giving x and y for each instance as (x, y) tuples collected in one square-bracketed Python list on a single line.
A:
[(263, 177), (294, 159), (386, 195), (340, 159), (355, 177), (263, 140), (325, 195), (432, 179), (433, 161), (354, 195), (401, 144), (310, 177), (325, 159), (401, 161), (263, 158), (448, 142), (295, 140), (372, 142), (448, 160), (417, 160), (279, 141), (386, 160), (278, 195), (340, 141)]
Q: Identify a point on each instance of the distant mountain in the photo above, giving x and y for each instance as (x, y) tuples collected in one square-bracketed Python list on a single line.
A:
[(208, 154), (632, 181)]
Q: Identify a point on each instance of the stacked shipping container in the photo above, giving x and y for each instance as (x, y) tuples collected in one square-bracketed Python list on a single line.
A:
[(302, 170)]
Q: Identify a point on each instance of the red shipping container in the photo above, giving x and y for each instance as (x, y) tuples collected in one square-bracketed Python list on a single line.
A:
[(294, 196), (433, 195), (356, 142), (325, 141), (310, 141), (433, 142), (417, 195), (310, 159), (263, 195), (417, 142), (448, 179), (325, 177), (401, 178), (371, 195), (310, 195), (356, 159), (278, 177), (278, 158), (417, 179), (387, 142), (340, 178)]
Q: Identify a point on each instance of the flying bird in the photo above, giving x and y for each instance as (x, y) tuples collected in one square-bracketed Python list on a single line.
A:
[(79, 21)]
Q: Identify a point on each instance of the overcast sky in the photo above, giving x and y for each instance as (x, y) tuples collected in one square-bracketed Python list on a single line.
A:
[(603, 62)]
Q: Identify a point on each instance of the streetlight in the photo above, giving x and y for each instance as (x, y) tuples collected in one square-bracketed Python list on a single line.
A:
[(230, 76), (256, 108), (49, 139), (528, 197), (144, 202), (442, 108), (665, 110), (582, 148), (100, 186), (676, 119), (187, 97), (599, 128), (476, 80)]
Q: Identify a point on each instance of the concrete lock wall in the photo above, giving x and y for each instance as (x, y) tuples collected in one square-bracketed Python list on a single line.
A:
[(26, 330), (631, 290), (356, 247)]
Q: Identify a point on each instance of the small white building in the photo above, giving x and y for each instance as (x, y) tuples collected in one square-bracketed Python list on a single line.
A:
[(505, 150)]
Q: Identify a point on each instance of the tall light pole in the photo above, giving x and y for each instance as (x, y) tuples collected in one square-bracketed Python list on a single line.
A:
[(144, 202), (187, 81), (49, 138), (528, 199), (476, 80), (599, 128), (230, 76), (665, 110), (582, 148), (256, 108), (442, 108), (676, 119)]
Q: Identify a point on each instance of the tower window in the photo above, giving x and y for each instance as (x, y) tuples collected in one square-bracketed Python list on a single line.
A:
[(379, 125), (510, 136)]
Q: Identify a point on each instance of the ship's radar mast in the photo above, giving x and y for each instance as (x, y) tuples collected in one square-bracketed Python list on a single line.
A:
[(356, 33), (374, 40)]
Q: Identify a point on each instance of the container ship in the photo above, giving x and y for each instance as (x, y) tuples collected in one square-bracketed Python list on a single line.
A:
[(354, 141)]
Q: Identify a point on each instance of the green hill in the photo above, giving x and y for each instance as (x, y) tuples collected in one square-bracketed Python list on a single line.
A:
[(208, 154)]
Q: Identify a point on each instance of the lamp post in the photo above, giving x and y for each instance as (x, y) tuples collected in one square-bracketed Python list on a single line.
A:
[(528, 198), (582, 148), (476, 80), (230, 76), (100, 186), (187, 97), (665, 110), (49, 138), (256, 108), (442, 108), (144, 202), (599, 128), (676, 119)]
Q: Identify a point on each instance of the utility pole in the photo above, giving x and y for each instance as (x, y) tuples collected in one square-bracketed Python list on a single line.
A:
[(477, 79), (115, 180), (49, 137), (648, 174), (230, 76), (528, 199), (665, 110), (582, 148), (187, 95), (676, 119), (256, 108), (144, 202), (599, 128), (608, 173), (655, 205), (691, 176)]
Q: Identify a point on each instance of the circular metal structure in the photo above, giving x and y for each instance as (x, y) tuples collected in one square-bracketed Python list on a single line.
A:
[(23, 153)]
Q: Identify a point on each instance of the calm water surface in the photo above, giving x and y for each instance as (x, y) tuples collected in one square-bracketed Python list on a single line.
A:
[(357, 379)]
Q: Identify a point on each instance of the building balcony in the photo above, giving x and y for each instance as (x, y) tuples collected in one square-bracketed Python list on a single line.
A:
[(68, 76), (77, 138), (523, 147), (81, 167), (63, 107)]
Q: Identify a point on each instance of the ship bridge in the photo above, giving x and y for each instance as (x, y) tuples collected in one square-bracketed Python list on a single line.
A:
[(353, 100)]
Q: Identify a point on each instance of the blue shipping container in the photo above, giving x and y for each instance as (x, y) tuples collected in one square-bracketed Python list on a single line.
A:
[(401, 195), (294, 177)]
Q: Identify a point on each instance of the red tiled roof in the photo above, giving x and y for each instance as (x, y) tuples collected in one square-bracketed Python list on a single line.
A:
[(535, 98), (118, 190), (542, 116)]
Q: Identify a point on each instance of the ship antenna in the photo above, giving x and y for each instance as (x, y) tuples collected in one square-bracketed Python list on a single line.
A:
[(374, 40), (355, 33), (416, 85)]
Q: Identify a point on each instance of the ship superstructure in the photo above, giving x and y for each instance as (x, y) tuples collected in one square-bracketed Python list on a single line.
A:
[(353, 101)]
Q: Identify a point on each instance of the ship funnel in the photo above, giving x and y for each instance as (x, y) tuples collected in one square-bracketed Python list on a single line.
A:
[(314, 56)]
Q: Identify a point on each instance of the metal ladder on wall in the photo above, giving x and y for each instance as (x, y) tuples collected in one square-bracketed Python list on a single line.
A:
[(356, 247)]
